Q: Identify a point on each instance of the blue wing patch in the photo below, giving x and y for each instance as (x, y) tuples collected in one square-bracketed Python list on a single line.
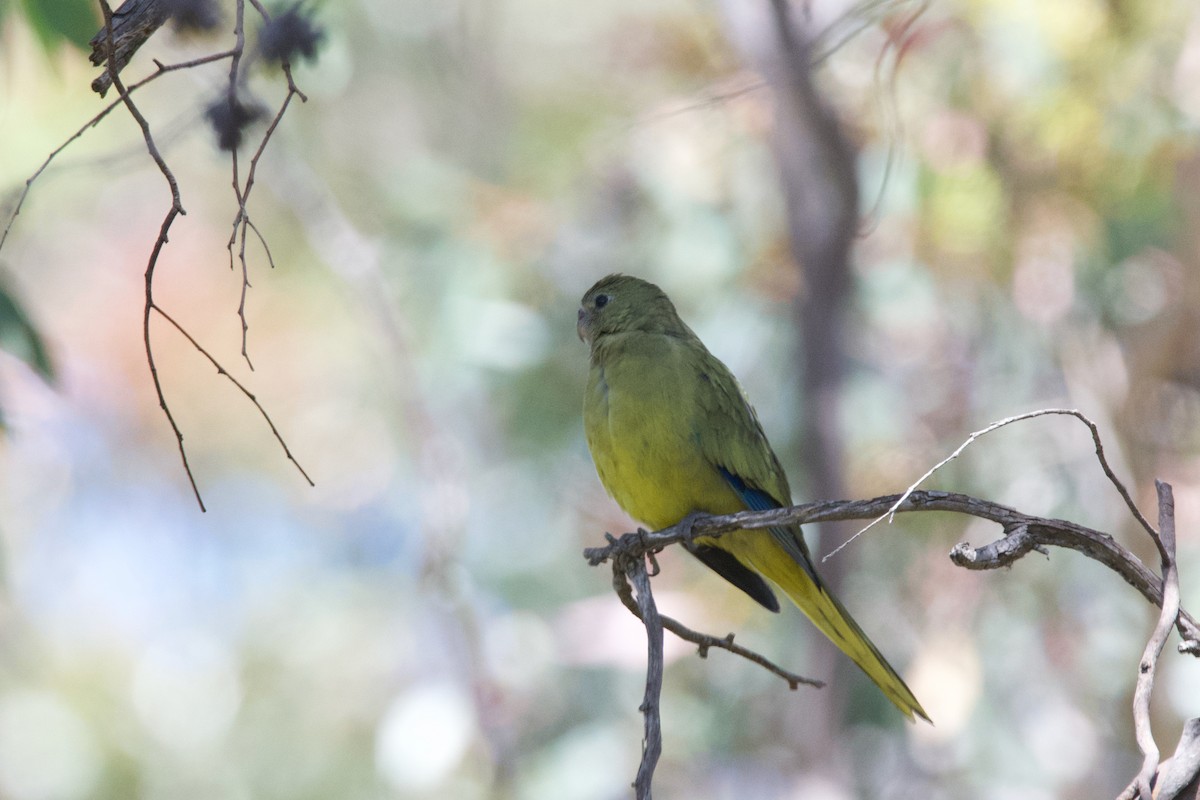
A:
[(755, 499), (758, 500)]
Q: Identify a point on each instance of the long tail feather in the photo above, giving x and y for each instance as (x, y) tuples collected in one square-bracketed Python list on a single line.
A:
[(831, 617)]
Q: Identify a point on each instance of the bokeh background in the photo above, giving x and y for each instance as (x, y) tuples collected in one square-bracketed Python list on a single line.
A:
[(421, 624)]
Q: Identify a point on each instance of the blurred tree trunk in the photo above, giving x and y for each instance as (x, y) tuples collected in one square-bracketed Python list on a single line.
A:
[(817, 170)]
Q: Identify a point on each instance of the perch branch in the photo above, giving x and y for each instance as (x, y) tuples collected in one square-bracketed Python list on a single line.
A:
[(633, 571), (633, 545), (631, 581), (1027, 533)]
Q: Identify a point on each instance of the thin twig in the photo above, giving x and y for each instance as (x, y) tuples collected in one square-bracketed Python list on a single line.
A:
[(890, 514), (246, 392), (175, 211), (704, 642), (162, 69), (242, 221), (105, 43), (263, 241), (1165, 539), (239, 32), (628, 548), (241, 192)]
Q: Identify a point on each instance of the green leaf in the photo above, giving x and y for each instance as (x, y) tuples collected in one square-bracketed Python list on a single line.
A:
[(58, 21), (19, 337)]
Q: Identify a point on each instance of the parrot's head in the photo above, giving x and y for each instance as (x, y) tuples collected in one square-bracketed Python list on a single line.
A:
[(621, 304)]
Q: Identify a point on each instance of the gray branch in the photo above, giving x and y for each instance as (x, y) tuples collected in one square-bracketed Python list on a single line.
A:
[(1023, 533)]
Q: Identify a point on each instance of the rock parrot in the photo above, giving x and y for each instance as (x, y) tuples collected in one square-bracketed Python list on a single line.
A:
[(672, 433)]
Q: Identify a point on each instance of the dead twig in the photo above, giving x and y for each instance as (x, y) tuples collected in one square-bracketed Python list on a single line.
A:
[(631, 581), (241, 191), (241, 388), (640, 600), (890, 514), (1165, 539), (124, 31), (174, 211)]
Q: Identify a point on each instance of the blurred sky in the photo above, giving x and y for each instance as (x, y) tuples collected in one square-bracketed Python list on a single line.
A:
[(421, 623)]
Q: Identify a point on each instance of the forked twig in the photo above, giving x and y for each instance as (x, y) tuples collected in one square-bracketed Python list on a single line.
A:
[(175, 210), (161, 69), (241, 192), (115, 48), (241, 388), (890, 514)]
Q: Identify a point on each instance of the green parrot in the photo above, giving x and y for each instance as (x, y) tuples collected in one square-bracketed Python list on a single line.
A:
[(672, 433)]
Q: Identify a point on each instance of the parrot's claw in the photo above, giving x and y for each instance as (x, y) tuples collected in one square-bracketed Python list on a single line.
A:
[(687, 527), (649, 551)]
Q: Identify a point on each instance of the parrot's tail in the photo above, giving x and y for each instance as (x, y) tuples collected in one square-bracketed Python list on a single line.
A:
[(835, 622)]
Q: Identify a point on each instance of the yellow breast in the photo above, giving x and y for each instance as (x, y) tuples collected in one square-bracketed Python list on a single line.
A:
[(640, 419)]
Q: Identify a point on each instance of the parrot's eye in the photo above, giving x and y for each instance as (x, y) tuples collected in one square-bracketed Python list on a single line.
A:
[(601, 300)]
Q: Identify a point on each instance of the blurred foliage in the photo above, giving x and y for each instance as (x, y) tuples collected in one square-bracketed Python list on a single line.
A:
[(421, 623), (56, 22), (19, 336)]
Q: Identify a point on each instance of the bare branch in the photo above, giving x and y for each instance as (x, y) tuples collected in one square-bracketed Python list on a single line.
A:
[(1023, 533), (633, 570), (158, 389), (136, 113), (242, 221), (1180, 773), (246, 392), (175, 211), (1141, 786), (1029, 533), (162, 69), (704, 642), (890, 514), (241, 193), (123, 32), (635, 546)]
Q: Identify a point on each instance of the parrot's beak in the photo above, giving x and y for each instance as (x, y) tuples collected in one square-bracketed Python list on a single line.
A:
[(582, 325)]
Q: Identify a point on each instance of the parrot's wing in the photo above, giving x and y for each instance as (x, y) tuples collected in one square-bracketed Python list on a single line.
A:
[(789, 537), (732, 439)]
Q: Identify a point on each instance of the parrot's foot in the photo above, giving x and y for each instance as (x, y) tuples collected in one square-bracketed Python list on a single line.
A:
[(649, 551), (687, 527)]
